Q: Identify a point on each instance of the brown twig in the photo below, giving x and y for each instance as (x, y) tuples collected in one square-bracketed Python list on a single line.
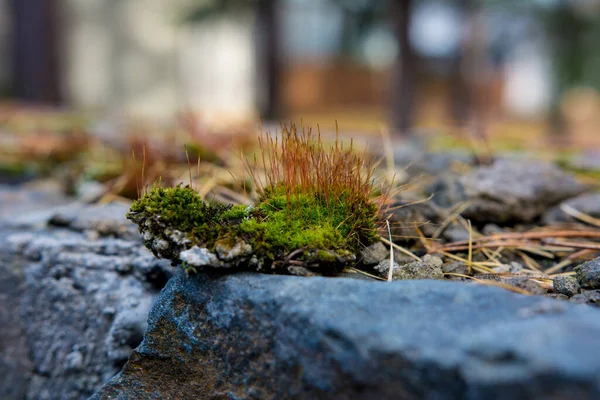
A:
[(573, 244)]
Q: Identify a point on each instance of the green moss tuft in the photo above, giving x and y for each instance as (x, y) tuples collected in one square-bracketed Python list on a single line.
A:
[(316, 200), (303, 221), (181, 209)]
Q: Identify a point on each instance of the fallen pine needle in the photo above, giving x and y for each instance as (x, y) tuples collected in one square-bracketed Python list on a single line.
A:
[(391, 267), (529, 262), (567, 209), (573, 244), (400, 249), (450, 219), (534, 235), (492, 283), (558, 267), (470, 256), (581, 254), (482, 267), (366, 273)]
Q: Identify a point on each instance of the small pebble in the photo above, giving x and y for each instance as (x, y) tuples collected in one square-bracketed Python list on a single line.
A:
[(587, 297), (588, 274), (566, 285), (374, 254)]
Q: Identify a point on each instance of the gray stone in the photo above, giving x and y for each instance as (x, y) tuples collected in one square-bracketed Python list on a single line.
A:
[(383, 267), (416, 161), (455, 233), (105, 219), (524, 282), (588, 203), (402, 258), (512, 268), (200, 257), (72, 308), (15, 364), (429, 268), (74, 361), (67, 284), (558, 296), (446, 191), (490, 229), (566, 285), (509, 190), (587, 297), (258, 336), (127, 329), (31, 206), (90, 191), (588, 161), (588, 274), (374, 254), (456, 267)]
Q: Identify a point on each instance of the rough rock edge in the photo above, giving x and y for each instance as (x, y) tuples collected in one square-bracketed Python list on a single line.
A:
[(275, 337)]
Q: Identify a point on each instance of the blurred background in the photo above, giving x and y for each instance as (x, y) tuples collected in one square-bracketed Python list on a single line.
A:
[(526, 69)]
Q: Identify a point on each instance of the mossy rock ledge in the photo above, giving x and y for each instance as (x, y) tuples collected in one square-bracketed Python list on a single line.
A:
[(287, 234)]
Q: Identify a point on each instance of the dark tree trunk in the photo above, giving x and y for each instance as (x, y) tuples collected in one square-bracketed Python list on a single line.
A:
[(269, 59), (459, 96), (35, 51), (557, 125), (567, 31), (404, 73)]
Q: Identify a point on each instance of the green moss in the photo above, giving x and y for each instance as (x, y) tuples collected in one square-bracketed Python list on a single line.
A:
[(238, 212), (297, 221), (181, 209), (277, 226), (19, 171), (317, 200), (325, 256), (197, 150), (566, 164), (13, 170)]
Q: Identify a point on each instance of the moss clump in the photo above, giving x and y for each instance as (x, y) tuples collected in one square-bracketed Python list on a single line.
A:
[(175, 219), (181, 209), (179, 215), (315, 212), (290, 222)]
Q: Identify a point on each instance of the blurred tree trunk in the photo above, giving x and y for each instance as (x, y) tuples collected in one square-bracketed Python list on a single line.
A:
[(36, 51), (269, 59), (567, 31), (459, 96), (404, 72)]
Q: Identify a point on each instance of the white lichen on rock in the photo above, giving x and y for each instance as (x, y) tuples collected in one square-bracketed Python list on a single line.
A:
[(429, 268), (200, 257), (227, 252)]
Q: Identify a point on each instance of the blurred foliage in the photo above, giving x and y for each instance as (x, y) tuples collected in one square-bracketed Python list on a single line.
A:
[(574, 36), (572, 27)]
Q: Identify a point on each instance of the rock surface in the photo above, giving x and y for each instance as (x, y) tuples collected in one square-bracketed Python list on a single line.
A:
[(74, 300), (407, 217), (374, 254), (251, 336), (588, 203), (591, 297), (429, 268), (588, 274), (509, 190), (415, 161), (566, 285)]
